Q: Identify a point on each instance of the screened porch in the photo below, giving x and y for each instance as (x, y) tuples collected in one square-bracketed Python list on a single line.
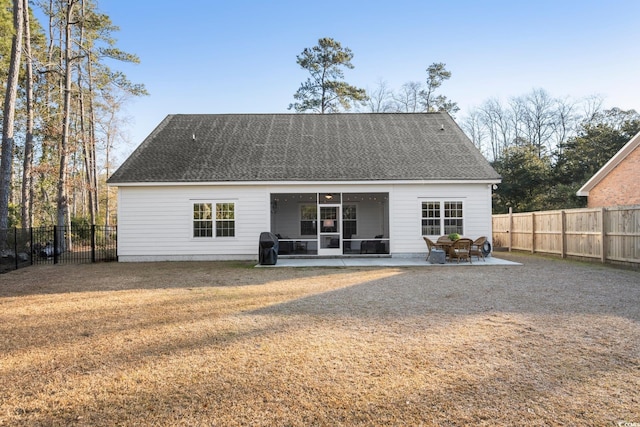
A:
[(331, 224)]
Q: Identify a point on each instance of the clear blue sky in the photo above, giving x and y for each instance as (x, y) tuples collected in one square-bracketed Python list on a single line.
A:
[(214, 56)]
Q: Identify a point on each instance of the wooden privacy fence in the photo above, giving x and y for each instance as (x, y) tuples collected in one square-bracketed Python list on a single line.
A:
[(609, 234)]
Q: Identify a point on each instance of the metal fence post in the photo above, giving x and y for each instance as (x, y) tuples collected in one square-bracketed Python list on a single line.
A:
[(15, 245), (55, 244), (31, 244), (93, 243)]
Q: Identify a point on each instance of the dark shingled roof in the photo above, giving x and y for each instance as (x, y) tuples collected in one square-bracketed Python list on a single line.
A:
[(305, 147)]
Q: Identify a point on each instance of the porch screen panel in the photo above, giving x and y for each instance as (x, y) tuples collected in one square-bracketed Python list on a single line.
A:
[(308, 220), (349, 221)]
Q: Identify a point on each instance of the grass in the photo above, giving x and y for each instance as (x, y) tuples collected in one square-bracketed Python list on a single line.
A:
[(219, 344)]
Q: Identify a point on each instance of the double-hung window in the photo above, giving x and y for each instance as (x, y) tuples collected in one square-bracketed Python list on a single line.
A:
[(225, 220), (431, 218), (206, 221), (442, 218), (453, 218), (202, 220)]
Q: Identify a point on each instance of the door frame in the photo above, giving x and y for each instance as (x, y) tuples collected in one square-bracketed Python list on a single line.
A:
[(330, 237)]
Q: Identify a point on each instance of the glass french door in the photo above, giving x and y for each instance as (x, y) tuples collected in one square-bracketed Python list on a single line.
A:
[(330, 230)]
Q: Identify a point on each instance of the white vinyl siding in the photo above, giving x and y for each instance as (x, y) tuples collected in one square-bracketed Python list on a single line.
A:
[(156, 222), (406, 212)]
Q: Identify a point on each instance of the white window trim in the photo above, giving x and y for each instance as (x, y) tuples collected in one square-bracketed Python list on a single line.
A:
[(235, 218), (442, 201), (213, 203)]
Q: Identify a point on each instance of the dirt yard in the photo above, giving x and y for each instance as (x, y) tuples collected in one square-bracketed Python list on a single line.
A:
[(550, 342)]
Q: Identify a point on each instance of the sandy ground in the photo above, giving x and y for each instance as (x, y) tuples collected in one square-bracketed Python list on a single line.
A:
[(548, 342)]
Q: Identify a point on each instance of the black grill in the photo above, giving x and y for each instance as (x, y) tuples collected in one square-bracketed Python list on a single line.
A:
[(268, 248)]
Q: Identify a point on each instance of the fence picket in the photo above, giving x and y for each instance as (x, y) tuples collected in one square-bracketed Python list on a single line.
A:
[(610, 234)]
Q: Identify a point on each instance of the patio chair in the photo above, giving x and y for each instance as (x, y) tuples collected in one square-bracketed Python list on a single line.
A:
[(430, 246), (460, 249), (477, 248)]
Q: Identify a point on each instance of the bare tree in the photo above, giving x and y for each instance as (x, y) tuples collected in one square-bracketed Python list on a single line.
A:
[(592, 106), (380, 99), (539, 120), (566, 120), (109, 129), (497, 121), (407, 99), (473, 126), (536, 120)]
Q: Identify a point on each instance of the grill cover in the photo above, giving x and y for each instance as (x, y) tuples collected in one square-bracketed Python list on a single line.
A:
[(268, 248)]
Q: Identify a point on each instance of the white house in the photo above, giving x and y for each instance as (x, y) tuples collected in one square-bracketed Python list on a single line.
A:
[(203, 187)]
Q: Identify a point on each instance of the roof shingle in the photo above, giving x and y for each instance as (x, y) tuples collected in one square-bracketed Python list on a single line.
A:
[(305, 147)]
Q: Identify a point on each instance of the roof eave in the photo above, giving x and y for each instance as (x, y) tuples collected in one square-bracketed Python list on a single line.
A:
[(302, 183)]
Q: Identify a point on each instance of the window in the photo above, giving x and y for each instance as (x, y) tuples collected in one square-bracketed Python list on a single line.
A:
[(442, 218), (453, 217), (328, 219), (225, 220), (308, 220), (203, 221), (430, 218), (349, 223)]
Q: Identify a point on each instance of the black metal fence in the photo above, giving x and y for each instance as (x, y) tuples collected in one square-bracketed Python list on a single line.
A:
[(22, 247)]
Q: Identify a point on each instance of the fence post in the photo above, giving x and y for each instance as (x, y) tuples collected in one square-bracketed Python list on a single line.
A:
[(603, 236), (533, 232), (15, 245), (31, 255), (55, 244), (563, 236), (93, 243), (510, 227)]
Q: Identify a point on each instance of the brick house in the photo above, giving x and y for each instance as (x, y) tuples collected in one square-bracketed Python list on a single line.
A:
[(617, 183)]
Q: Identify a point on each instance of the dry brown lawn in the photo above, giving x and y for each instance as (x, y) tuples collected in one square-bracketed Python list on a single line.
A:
[(550, 342)]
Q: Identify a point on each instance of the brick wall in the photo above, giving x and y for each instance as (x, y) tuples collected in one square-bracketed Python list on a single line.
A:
[(621, 187)]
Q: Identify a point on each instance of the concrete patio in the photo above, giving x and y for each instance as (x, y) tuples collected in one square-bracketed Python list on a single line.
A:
[(382, 262)]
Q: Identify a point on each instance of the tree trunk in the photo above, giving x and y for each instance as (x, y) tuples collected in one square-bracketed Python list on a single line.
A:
[(93, 171), (85, 126), (6, 162), (63, 201), (27, 170)]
